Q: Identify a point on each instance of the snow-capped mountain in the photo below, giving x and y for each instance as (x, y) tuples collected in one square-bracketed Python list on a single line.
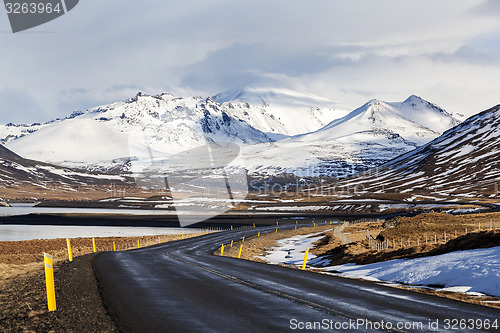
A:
[(463, 161), (367, 137), (11, 132), (110, 136), (415, 120), (275, 108), (167, 124), (106, 136)]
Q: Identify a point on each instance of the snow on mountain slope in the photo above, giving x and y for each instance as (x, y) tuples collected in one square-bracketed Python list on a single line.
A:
[(168, 124), (365, 138), (75, 140), (10, 132), (24, 178), (415, 120), (109, 136), (464, 161), (274, 107)]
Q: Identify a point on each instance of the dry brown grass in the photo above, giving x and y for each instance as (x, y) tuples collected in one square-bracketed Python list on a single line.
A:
[(23, 257), (416, 229)]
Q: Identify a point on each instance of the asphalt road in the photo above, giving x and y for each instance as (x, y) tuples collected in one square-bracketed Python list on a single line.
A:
[(181, 287)]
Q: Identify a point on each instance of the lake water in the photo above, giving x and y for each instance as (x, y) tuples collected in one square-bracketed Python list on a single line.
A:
[(27, 232), (25, 209)]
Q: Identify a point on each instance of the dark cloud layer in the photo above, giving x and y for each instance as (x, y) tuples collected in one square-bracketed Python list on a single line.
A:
[(107, 51)]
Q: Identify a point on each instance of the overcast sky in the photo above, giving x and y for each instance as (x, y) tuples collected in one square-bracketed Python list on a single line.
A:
[(446, 51)]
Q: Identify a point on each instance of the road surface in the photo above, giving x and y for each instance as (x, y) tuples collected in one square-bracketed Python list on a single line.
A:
[(181, 287)]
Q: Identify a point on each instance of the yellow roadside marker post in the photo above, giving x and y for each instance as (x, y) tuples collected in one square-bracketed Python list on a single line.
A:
[(93, 245), (231, 227), (182, 236), (276, 222), (114, 246), (222, 250), (70, 255), (305, 259), (159, 240), (231, 244), (258, 235), (314, 223), (239, 253), (49, 282), (138, 246), (254, 225), (243, 239), (207, 231), (276, 230)]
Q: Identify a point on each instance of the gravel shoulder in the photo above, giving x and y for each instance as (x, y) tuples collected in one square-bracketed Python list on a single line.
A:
[(23, 302), (79, 305)]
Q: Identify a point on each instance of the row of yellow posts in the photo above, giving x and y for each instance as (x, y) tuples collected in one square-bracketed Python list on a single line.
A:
[(49, 270), (306, 253), (241, 248), (231, 245), (239, 252)]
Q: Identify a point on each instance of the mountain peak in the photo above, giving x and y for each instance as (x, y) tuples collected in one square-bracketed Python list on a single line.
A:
[(266, 95), (414, 99), (418, 103), (372, 103), (461, 162), (296, 110)]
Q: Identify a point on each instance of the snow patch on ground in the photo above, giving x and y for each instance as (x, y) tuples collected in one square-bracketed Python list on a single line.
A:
[(471, 271), (290, 251), (475, 272)]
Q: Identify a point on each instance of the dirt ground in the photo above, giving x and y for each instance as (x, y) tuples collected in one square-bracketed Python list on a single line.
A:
[(22, 286), (79, 304), (23, 302)]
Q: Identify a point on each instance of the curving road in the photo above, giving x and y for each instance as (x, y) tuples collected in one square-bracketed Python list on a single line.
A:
[(181, 287)]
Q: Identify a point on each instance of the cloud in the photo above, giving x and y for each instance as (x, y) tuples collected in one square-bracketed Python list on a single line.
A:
[(241, 63), (455, 82), (16, 105), (98, 54), (468, 55), (487, 8)]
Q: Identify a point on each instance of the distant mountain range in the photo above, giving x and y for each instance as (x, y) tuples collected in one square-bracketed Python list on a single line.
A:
[(464, 161), (27, 179), (281, 131), (366, 137)]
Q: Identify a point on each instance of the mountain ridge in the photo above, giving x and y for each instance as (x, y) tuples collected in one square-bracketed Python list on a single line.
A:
[(366, 137), (354, 143), (27, 179), (463, 161)]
